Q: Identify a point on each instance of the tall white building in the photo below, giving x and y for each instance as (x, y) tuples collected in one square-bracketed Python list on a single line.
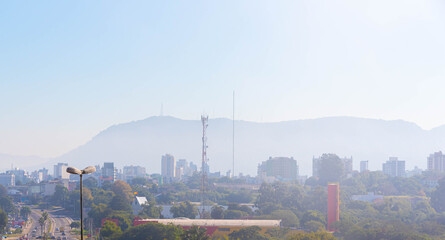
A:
[(436, 162), (60, 171), (168, 168), (364, 166), (394, 167), (108, 172), (130, 172), (7, 180)]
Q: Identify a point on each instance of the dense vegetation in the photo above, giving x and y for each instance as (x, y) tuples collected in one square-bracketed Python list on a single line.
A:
[(6, 207), (409, 210)]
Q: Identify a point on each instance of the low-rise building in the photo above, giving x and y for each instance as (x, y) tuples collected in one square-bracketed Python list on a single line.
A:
[(137, 204)]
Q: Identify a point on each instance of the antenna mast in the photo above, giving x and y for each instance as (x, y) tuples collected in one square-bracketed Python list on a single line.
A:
[(204, 166), (162, 109), (233, 138)]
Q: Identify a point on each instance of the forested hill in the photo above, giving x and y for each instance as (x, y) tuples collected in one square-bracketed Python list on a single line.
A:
[(144, 142)]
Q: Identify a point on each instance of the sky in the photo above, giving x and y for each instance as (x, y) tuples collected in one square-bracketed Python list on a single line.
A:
[(70, 69)]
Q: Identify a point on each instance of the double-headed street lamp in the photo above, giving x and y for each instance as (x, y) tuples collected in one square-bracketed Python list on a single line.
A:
[(76, 171)]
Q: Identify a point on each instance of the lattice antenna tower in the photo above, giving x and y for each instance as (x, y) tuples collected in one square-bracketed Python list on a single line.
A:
[(204, 166)]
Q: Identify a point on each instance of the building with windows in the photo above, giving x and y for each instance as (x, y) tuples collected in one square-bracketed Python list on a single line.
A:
[(108, 172), (7, 180), (436, 162), (60, 171), (364, 166), (130, 172), (168, 168), (394, 167), (20, 175), (280, 168)]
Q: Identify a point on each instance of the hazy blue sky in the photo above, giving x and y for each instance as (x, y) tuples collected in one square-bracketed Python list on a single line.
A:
[(69, 69)]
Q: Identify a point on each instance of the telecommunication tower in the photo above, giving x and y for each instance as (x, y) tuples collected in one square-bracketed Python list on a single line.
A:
[(204, 166)]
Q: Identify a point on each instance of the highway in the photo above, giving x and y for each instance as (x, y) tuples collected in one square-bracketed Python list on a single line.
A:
[(56, 218)]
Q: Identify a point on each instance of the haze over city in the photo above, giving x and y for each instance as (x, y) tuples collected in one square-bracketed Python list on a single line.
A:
[(212, 120), (69, 74)]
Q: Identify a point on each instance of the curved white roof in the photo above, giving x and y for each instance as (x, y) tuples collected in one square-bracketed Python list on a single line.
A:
[(217, 222)]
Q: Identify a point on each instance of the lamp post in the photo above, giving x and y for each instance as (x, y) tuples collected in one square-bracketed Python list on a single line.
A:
[(76, 171)]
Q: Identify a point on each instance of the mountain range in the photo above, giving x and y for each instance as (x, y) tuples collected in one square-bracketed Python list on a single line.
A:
[(143, 143)]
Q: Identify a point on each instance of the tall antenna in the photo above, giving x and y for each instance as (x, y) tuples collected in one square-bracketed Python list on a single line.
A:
[(204, 166), (162, 109), (233, 137)]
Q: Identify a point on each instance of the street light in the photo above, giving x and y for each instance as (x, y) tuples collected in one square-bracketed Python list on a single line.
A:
[(76, 171)]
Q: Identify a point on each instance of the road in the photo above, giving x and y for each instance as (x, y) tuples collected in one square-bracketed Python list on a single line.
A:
[(57, 219), (60, 221)]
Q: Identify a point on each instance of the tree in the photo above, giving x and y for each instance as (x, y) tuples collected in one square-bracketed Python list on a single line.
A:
[(313, 236), (6, 204), (3, 191), (3, 220), (98, 212), (25, 211), (195, 233), (110, 230), (234, 214), (75, 225), (331, 168), (438, 197), (42, 222), (278, 233), (242, 196), (289, 219), (87, 197), (152, 231), (120, 203), (313, 216), (60, 195), (217, 212), (316, 199), (125, 219), (139, 181), (184, 209), (249, 233), (243, 208), (314, 226), (121, 188), (150, 210), (102, 196), (90, 182)]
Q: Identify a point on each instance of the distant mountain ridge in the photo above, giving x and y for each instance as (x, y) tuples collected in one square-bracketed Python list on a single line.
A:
[(10, 161), (143, 142)]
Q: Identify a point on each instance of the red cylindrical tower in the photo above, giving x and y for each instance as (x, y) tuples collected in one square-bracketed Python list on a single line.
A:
[(333, 205)]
